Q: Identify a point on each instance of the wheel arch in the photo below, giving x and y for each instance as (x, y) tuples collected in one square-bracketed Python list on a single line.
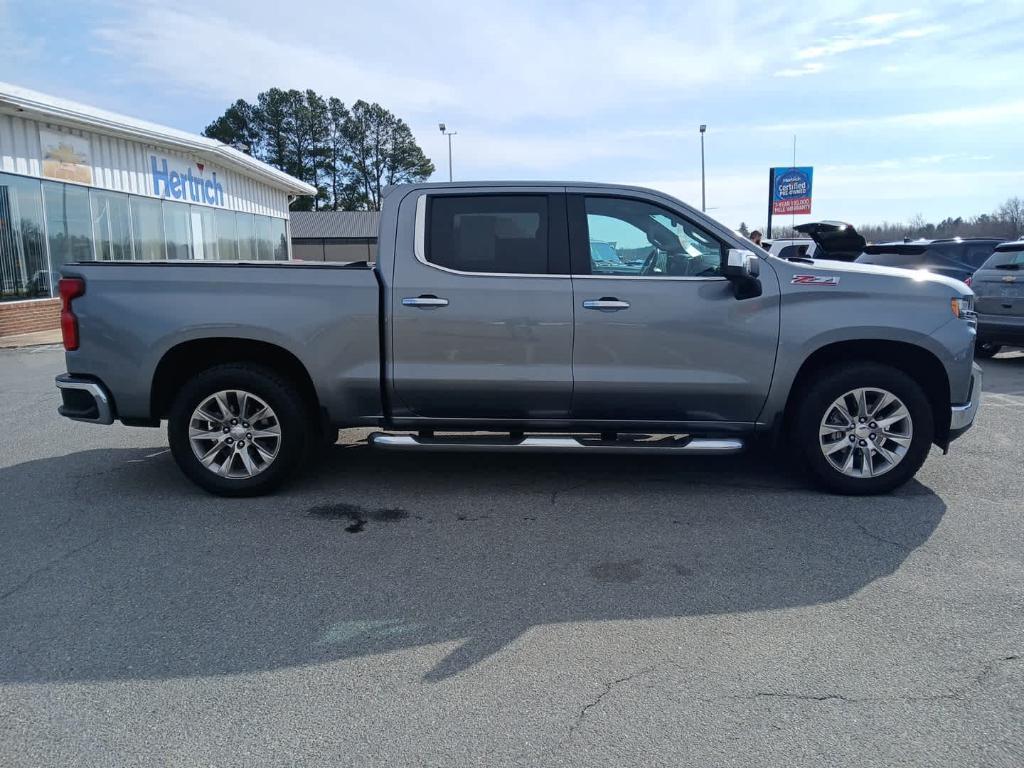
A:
[(185, 360), (915, 361)]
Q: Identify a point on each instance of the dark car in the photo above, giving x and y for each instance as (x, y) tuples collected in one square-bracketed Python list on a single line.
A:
[(955, 257), (999, 288)]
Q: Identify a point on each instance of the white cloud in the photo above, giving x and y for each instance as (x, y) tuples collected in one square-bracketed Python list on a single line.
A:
[(846, 43), (808, 68), (985, 115), (252, 60), (495, 61), (885, 19)]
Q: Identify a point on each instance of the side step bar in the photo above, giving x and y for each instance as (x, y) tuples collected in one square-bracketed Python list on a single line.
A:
[(693, 446)]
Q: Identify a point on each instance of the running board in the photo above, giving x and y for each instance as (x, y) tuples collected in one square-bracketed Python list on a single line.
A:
[(693, 446)]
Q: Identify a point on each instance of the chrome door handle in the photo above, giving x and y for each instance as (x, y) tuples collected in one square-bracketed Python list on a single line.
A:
[(607, 304), (425, 302)]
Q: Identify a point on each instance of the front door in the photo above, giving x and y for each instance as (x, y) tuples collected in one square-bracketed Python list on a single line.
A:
[(660, 335), (481, 306)]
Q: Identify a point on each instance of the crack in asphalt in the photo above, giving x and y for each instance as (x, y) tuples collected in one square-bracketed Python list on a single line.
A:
[(44, 568), (608, 688), (872, 535), (957, 694)]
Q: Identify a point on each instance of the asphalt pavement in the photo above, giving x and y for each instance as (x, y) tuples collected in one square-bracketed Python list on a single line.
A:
[(400, 610)]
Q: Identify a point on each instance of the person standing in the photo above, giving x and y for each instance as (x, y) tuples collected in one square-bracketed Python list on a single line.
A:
[(755, 237)]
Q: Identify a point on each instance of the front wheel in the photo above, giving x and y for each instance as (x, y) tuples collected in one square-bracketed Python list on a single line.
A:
[(863, 428), (238, 429)]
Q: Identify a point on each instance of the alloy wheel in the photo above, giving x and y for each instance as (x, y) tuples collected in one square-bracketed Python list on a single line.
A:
[(866, 432), (234, 434)]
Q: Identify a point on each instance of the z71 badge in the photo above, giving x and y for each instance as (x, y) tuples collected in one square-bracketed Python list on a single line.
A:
[(815, 280)]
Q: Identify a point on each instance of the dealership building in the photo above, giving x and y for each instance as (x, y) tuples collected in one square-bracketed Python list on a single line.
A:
[(79, 183)]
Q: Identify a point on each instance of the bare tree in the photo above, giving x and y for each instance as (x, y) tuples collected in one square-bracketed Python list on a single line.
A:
[(1012, 212)]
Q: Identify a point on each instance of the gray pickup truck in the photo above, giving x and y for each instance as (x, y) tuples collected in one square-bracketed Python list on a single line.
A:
[(527, 317)]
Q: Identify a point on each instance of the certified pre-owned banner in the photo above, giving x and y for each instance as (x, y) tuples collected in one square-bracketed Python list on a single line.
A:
[(791, 190)]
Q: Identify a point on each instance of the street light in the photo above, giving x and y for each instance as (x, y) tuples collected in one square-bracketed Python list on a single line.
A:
[(703, 197), (449, 134)]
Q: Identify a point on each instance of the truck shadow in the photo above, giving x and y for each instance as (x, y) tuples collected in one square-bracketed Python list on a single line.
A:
[(114, 567)]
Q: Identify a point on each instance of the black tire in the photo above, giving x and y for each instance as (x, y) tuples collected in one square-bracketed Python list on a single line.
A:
[(276, 391), (986, 349), (830, 384)]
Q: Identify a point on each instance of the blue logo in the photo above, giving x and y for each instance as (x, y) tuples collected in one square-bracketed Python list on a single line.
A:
[(185, 186), (795, 182)]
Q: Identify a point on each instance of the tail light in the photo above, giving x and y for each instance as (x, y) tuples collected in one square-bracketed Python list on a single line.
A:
[(70, 288)]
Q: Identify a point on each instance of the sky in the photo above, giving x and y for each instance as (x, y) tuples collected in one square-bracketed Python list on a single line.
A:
[(902, 109)]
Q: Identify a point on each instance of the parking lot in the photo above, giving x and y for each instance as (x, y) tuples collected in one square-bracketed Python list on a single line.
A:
[(490, 610)]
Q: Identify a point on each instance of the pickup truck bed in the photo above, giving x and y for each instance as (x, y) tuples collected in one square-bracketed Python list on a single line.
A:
[(147, 321)]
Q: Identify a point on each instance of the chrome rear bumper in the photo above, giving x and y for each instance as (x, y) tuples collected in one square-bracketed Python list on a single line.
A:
[(84, 400)]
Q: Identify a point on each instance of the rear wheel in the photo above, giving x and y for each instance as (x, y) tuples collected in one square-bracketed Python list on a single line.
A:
[(238, 430), (986, 349), (863, 428)]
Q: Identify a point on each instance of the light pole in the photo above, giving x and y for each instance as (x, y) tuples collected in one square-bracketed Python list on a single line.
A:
[(703, 196), (449, 134)]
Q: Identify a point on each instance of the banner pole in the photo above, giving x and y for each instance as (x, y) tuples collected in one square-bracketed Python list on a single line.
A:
[(771, 183)]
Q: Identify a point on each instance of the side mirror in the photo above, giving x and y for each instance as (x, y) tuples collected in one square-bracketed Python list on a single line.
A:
[(741, 267)]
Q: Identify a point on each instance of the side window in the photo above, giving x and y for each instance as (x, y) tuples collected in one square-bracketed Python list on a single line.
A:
[(633, 238), (978, 255), (793, 252), (488, 233)]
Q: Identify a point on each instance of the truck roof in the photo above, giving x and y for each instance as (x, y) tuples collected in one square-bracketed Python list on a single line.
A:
[(517, 183)]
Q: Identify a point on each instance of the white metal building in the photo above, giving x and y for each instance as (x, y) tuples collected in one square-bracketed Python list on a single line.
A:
[(81, 183)]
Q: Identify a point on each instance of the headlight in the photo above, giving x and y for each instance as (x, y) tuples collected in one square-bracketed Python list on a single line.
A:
[(963, 308)]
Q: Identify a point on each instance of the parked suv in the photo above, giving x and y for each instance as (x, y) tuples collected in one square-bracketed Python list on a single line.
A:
[(832, 240), (956, 257), (999, 287)]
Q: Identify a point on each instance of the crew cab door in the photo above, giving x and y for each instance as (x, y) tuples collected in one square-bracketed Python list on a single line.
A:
[(660, 335), (481, 306)]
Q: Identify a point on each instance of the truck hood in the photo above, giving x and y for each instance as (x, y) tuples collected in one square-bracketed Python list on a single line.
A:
[(917, 275)]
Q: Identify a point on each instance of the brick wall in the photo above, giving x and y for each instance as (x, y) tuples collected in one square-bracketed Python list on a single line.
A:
[(29, 316)]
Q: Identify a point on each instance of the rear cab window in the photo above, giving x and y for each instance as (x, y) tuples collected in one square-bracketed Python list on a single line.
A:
[(493, 234)]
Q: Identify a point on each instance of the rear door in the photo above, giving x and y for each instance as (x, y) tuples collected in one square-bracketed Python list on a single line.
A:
[(481, 306), (660, 335)]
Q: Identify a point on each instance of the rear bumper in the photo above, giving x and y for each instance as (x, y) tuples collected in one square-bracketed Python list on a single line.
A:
[(1005, 329), (961, 417), (84, 400)]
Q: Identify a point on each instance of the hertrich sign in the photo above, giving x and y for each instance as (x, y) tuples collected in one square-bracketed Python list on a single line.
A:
[(177, 185)]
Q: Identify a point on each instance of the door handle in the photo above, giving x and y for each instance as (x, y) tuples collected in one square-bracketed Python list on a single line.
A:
[(425, 302), (606, 304)]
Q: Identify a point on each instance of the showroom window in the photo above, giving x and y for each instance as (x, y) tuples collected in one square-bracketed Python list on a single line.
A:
[(246, 236), (227, 241), (204, 232), (147, 228), (68, 223), (47, 224), (279, 237), (111, 226), (264, 244), (177, 231), (23, 269)]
